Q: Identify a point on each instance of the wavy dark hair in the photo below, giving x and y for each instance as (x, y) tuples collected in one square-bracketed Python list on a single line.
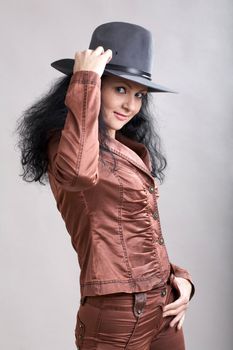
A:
[(48, 114)]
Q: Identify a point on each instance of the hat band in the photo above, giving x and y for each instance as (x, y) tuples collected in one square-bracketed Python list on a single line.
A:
[(132, 71)]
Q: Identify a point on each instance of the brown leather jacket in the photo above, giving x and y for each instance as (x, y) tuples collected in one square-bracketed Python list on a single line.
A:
[(111, 216)]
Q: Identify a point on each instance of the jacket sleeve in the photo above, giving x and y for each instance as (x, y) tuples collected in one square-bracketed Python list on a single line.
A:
[(179, 272), (73, 158)]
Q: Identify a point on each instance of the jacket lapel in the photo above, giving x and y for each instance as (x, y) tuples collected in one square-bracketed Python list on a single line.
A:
[(136, 153)]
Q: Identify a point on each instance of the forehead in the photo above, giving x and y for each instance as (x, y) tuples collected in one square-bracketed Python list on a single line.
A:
[(131, 84)]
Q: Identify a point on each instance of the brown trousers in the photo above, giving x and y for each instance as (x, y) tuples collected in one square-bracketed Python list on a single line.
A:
[(128, 321)]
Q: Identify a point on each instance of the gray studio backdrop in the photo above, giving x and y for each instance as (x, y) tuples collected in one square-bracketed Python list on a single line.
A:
[(39, 284)]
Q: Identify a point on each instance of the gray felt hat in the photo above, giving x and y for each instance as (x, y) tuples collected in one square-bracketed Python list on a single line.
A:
[(132, 53)]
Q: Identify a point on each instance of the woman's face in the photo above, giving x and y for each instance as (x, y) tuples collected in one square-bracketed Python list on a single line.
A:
[(121, 99)]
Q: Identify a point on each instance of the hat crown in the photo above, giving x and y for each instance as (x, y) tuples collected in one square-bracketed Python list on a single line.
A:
[(132, 53), (132, 45)]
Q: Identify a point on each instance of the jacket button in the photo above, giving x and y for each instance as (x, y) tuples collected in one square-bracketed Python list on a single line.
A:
[(155, 215), (163, 293), (151, 189), (161, 240)]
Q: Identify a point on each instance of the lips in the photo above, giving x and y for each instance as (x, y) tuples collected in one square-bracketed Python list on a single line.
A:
[(120, 116)]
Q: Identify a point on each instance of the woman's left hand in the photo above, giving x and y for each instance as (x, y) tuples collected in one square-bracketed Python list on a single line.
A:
[(180, 305)]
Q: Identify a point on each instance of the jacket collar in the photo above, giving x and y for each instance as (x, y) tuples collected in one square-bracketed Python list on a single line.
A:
[(133, 151)]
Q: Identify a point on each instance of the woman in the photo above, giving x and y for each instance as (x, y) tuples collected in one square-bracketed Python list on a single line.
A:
[(93, 136)]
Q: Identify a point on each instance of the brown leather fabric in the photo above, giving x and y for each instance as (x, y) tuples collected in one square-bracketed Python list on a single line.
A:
[(109, 322), (111, 216)]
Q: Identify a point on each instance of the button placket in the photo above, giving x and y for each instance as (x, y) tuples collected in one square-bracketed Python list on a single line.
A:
[(155, 215), (153, 190), (158, 238)]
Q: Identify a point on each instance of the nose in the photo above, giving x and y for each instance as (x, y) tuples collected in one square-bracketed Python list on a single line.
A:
[(129, 103)]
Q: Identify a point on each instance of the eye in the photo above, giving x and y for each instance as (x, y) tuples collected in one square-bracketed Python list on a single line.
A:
[(141, 95), (120, 88)]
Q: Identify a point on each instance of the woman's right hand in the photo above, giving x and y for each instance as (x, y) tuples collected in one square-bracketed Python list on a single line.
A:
[(94, 60)]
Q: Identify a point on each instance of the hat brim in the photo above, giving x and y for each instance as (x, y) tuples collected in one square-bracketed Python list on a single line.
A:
[(66, 66)]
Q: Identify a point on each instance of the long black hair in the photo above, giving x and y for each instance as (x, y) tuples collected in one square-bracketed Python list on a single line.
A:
[(49, 113)]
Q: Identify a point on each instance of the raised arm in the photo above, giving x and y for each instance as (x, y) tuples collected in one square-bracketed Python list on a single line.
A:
[(73, 155)]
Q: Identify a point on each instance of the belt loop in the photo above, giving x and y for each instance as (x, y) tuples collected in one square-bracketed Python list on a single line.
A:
[(83, 299), (139, 303)]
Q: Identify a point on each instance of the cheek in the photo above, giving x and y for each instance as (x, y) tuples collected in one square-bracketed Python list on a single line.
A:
[(138, 107), (107, 100), (106, 108)]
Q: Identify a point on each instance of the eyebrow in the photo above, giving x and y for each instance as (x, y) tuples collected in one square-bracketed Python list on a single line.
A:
[(120, 81)]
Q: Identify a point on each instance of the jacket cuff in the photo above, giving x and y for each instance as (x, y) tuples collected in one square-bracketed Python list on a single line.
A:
[(179, 272), (86, 77)]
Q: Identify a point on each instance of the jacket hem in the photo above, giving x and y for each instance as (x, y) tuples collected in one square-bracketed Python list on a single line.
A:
[(128, 286)]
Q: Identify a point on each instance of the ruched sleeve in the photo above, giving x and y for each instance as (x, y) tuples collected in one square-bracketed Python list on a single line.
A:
[(73, 157), (179, 272)]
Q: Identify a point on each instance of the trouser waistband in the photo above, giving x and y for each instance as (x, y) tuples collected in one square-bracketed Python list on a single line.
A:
[(140, 298)]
